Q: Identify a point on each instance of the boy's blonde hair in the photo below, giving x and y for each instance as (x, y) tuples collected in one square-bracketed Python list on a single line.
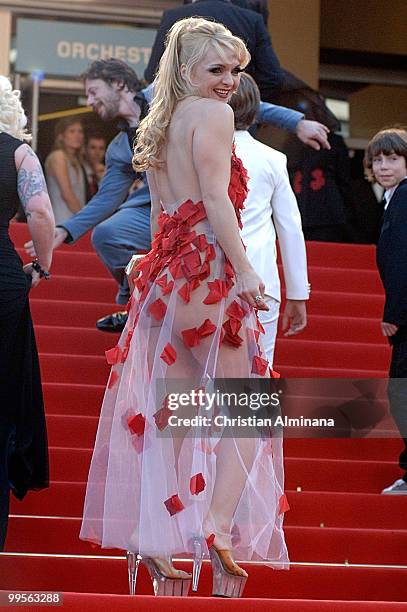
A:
[(187, 43), (387, 141)]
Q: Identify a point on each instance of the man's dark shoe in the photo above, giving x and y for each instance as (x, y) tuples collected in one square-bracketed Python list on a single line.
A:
[(113, 323)]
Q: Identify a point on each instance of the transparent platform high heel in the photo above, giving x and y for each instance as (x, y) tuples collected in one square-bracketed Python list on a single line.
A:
[(162, 584), (225, 584)]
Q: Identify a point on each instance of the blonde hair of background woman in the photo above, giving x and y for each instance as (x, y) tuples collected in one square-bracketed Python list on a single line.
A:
[(12, 116), (187, 43)]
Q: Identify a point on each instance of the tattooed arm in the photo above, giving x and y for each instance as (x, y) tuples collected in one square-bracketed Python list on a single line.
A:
[(33, 194)]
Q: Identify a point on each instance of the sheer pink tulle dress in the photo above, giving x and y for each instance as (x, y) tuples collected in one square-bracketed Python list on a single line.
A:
[(153, 493)]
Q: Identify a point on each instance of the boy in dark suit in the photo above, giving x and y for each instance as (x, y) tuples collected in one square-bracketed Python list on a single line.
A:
[(386, 162)]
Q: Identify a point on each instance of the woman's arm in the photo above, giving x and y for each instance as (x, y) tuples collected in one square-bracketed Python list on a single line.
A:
[(211, 150), (57, 165), (33, 194)]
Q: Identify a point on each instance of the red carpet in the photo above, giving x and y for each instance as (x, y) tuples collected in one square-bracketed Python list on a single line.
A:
[(337, 516)]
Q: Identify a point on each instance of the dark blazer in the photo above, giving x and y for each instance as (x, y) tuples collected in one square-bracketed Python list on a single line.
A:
[(391, 256), (248, 25), (320, 180)]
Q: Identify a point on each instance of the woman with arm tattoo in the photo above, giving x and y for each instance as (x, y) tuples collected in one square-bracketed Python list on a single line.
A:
[(23, 440)]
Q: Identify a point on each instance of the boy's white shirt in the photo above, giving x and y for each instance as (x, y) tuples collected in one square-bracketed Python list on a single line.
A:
[(271, 206), (388, 194)]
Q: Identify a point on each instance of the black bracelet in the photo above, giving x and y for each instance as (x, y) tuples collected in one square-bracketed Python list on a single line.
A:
[(43, 274)]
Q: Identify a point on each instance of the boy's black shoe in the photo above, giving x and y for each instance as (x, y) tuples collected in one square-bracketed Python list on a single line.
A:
[(113, 323)]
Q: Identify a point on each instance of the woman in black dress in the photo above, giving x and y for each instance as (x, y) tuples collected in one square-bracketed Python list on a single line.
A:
[(23, 439)]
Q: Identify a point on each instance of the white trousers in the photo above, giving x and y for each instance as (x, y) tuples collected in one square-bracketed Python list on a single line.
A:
[(269, 320)]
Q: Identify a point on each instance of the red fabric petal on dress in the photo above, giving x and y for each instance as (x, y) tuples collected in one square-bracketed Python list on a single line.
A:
[(197, 484), (209, 540), (260, 327), (114, 355), (157, 309), (162, 415), (253, 334), (192, 261), (168, 288), (283, 505), (207, 328), (205, 270), (169, 354), (235, 311), (232, 326), (186, 210), (198, 215), (190, 337), (259, 365), (129, 304), (129, 337), (137, 424), (162, 281), (210, 253), (112, 379), (175, 269), (174, 504), (215, 292), (201, 242), (184, 292), (274, 374)]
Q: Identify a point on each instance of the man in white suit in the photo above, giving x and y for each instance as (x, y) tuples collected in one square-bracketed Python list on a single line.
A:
[(270, 208)]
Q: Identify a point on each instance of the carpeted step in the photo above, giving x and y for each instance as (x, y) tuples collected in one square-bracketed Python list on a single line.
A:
[(19, 234), (73, 340), (72, 465), (79, 341), (69, 313), (307, 508), (88, 369), (346, 304), (366, 448), (146, 603), (344, 279), (74, 262), (335, 255), (78, 288), (351, 329), (107, 575), (73, 399), (79, 430), (352, 371), (337, 354), (125, 603), (310, 544)]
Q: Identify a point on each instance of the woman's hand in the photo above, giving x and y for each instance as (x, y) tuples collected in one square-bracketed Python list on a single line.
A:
[(35, 276), (249, 287)]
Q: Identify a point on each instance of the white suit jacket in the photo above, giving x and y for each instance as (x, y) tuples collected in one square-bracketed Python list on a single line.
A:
[(271, 207)]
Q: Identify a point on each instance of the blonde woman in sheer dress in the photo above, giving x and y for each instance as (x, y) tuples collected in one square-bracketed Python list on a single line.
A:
[(154, 491)]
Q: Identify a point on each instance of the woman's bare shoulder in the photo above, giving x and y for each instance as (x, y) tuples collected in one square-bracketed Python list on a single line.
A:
[(55, 158), (213, 115)]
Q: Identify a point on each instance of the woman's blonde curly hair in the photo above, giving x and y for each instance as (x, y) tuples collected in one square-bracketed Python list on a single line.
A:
[(187, 43), (12, 116)]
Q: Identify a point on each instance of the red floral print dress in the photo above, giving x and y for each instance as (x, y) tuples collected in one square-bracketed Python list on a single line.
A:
[(151, 486)]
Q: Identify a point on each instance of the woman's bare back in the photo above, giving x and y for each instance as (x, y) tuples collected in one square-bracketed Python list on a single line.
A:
[(176, 179)]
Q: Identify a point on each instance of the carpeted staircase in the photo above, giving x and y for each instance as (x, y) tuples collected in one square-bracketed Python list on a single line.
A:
[(348, 544)]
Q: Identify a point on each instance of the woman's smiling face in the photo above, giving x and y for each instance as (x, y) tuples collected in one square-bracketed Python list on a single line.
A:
[(217, 76)]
